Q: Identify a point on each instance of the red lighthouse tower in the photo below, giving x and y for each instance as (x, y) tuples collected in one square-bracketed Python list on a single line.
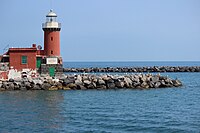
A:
[(51, 61), (51, 30)]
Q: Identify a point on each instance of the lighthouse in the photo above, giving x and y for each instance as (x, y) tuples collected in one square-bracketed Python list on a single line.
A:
[(51, 61), (51, 30), (34, 59)]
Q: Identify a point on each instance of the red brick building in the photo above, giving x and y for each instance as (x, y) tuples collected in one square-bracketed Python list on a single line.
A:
[(47, 61)]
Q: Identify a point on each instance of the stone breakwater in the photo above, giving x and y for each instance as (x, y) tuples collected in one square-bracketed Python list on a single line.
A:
[(135, 69), (89, 81)]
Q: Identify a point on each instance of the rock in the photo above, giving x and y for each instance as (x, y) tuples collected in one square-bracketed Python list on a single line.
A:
[(119, 84), (81, 87), (157, 85), (91, 86), (36, 87), (11, 80), (91, 81), (110, 81), (59, 85), (53, 88), (28, 85), (136, 79), (68, 81), (72, 86), (87, 82), (66, 88), (151, 84), (37, 81), (11, 86), (78, 82), (16, 86), (55, 80), (101, 87), (46, 86), (128, 82), (2, 89), (79, 78), (155, 79), (110, 85), (101, 82), (136, 84), (144, 85), (177, 83)]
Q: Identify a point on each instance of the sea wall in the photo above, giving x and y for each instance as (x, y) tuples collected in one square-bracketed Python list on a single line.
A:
[(135, 69), (89, 81)]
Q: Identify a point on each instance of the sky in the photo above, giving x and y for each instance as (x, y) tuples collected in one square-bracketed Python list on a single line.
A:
[(108, 30)]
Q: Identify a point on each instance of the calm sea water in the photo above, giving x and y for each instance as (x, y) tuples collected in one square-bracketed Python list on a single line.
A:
[(130, 64), (167, 110)]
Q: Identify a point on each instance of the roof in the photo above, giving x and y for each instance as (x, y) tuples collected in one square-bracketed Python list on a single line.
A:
[(51, 14), (21, 49)]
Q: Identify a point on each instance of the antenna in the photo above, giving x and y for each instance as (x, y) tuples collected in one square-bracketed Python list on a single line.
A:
[(39, 47), (51, 4), (5, 48)]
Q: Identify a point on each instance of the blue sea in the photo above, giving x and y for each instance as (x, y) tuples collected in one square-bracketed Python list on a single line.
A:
[(168, 110)]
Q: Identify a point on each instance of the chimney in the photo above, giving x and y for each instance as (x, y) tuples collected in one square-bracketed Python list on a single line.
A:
[(34, 45)]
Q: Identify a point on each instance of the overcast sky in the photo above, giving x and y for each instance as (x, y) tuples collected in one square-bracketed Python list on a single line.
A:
[(108, 30)]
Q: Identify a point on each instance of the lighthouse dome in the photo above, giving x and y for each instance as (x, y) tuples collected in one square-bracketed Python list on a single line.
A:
[(51, 14)]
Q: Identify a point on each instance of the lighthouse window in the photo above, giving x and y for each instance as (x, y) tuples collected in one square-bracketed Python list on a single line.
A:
[(51, 38), (24, 59)]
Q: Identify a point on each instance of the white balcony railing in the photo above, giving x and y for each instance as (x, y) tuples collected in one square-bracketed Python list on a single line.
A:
[(51, 25)]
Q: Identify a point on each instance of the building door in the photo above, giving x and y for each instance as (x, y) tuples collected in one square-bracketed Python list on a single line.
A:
[(39, 62), (52, 71)]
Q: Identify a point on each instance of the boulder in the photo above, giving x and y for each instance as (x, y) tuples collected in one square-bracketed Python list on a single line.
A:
[(53, 88), (2, 89), (128, 82), (157, 85), (87, 82), (91, 86), (45, 86), (36, 87), (177, 83), (37, 81), (79, 78), (66, 88), (17, 86), (110, 85), (101, 87), (155, 79), (78, 82), (119, 84), (144, 85), (68, 81), (28, 85), (59, 85), (72, 86), (81, 87), (101, 82), (11, 80)]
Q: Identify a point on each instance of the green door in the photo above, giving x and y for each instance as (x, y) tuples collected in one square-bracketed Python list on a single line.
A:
[(52, 71), (39, 61)]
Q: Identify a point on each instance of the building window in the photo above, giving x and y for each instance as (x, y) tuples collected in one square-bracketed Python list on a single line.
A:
[(51, 38), (51, 51), (24, 59)]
